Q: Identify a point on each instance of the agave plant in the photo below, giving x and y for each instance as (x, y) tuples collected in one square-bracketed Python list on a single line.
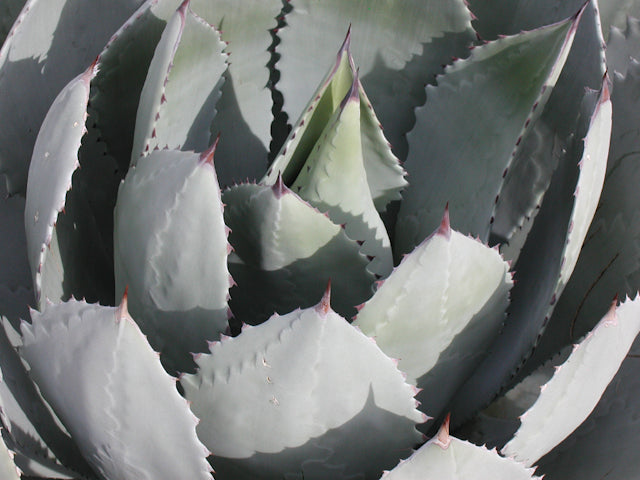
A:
[(380, 289)]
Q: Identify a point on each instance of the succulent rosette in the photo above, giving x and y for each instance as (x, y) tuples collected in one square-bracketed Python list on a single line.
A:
[(319, 239)]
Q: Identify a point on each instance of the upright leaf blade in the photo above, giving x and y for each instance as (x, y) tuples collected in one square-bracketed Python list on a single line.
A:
[(244, 114), (546, 262), (397, 45), (576, 387), (55, 158), (171, 251), (473, 120), (52, 42), (285, 253), (178, 100), (304, 393), (114, 417)]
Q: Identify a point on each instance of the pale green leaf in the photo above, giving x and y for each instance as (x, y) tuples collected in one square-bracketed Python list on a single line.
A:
[(384, 174), (609, 262), (334, 180), (244, 114), (437, 314), (545, 142), (547, 260), (127, 398), (178, 100), (51, 43), (33, 430), (576, 387), (471, 123), (171, 251), (447, 457), (302, 393), (604, 446), (398, 46), (55, 158), (285, 252)]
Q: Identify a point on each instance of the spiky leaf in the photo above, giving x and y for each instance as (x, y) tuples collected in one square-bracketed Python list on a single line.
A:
[(171, 251), (285, 252), (445, 456), (55, 158), (304, 393), (575, 389), (473, 120), (397, 45), (437, 314), (558, 234), (52, 42), (127, 398), (244, 111), (178, 100)]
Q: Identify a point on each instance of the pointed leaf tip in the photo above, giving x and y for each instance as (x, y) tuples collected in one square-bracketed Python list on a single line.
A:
[(346, 44), (123, 308), (279, 188), (442, 438), (445, 225), (182, 9), (325, 304), (611, 318), (207, 155)]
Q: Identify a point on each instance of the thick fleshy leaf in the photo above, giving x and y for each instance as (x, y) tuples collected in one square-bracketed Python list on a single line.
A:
[(576, 387), (302, 394), (285, 252), (445, 456), (34, 433), (509, 17), (100, 375), (55, 158), (122, 69), (178, 100), (244, 114), (536, 156), (171, 251), (384, 174), (334, 180), (604, 446), (471, 123), (397, 45), (609, 262), (546, 262), (437, 314), (52, 42)]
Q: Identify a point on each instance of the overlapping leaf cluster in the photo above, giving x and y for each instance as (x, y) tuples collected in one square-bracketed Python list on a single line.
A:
[(450, 209)]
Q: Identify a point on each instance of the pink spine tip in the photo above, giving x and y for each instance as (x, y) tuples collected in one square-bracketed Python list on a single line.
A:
[(123, 310), (346, 44), (183, 7), (443, 439), (325, 304), (279, 188), (207, 155), (445, 225), (606, 89)]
